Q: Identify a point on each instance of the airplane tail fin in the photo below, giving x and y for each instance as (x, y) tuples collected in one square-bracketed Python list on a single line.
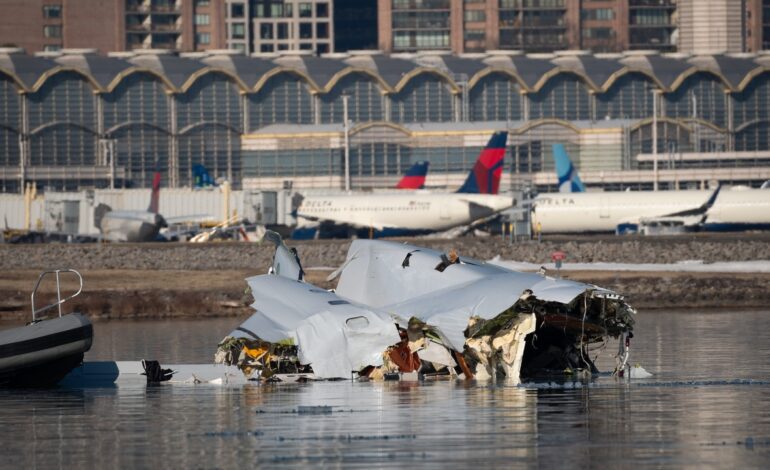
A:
[(414, 178), (201, 177), (569, 181), (485, 176), (155, 198)]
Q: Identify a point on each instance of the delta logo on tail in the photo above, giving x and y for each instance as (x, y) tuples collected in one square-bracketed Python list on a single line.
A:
[(414, 178), (485, 176), (569, 181)]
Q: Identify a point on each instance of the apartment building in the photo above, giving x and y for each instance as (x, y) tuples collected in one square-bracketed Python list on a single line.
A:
[(266, 26), (113, 25), (461, 26)]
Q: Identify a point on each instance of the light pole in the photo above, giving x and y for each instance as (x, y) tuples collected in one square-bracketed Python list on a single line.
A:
[(655, 140), (346, 128)]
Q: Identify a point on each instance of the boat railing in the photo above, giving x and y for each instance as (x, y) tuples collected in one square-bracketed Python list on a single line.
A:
[(60, 301)]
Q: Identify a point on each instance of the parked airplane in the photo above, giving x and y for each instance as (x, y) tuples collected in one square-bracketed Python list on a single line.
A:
[(131, 226), (651, 211), (569, 181), (413, 212)]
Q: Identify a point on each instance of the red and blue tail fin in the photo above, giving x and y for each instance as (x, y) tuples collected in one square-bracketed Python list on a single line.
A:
[(485, 176), (414, 178), (155, 198)]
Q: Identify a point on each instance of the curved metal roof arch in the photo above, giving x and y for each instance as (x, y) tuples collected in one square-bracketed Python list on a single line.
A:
[(314, 88), (413, 74), (347, 71)]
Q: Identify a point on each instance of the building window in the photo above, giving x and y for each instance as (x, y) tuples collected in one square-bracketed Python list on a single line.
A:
[(265, 31), (52, 47), (472, 16), (203, 38), (283, 47), (239, 47), (598, 33), (306, 46), (237, 31), (305, 10), (281, 10), (52, 11), (322, 30), (237, 10), (322, 48), (266, 48), (322, 10), (305, 30), (201, 20), (52, 31), (599, 14), (283, 31), (201, 3)]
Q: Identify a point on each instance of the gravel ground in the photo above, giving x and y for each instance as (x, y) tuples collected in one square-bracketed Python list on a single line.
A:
[(168, 280), (213, 256)]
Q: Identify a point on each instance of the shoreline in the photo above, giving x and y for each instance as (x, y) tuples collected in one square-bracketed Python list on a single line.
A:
[(135, 294), (178, 280)]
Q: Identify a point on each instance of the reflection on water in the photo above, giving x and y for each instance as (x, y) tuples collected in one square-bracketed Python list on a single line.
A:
[(434, 423)]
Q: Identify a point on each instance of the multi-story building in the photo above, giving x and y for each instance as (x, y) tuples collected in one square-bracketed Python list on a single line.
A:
[(113, 25), (355, 25), (265, 26), (81, 120), (550, 25)]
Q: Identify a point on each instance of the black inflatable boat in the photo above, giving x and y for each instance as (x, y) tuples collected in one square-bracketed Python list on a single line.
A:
[(42, 352)]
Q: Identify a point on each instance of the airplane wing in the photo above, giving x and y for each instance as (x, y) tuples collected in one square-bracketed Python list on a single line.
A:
[(190, 219), (701, 210)]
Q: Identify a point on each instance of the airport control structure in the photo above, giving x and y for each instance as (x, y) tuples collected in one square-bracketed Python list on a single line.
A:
[(75, 120)]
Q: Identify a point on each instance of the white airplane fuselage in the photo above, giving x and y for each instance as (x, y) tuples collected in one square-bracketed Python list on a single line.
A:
[(413, 211), (604, 211)]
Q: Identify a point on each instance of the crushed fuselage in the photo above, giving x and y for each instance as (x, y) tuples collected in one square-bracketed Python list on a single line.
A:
[(400, 309)]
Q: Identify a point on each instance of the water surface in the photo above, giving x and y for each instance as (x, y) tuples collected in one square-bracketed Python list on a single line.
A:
[(706, 406)]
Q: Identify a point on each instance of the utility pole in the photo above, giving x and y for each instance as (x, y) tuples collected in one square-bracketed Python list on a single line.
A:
[(655, 140), (346, 127)]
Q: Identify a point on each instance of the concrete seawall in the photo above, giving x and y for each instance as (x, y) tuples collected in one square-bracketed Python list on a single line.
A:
[(186, 280)]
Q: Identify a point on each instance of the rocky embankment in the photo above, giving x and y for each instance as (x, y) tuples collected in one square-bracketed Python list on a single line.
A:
[(170, 280)]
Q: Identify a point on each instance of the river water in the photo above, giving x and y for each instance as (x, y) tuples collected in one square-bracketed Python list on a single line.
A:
[(706, 406)]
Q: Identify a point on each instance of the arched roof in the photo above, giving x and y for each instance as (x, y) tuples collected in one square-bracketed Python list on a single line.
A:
[(393, 73), (24, 69), (102, 69), (249, 69), (529, 70), (391, 69), (177, 70), (319, 69), (369, 125)]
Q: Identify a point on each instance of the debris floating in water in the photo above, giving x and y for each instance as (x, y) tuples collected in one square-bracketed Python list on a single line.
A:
[(412, 313)]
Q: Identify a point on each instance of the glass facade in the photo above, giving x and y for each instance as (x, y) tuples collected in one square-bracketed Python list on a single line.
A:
[(68, 129), (421, 24)]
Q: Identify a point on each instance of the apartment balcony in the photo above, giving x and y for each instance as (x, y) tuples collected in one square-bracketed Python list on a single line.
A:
[(542, 5), (155, 9)]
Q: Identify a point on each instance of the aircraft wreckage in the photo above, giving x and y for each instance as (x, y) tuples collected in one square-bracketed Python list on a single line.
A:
[(401, 311)]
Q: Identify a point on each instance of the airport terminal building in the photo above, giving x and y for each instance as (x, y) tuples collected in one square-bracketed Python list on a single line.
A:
[(76, 120)]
